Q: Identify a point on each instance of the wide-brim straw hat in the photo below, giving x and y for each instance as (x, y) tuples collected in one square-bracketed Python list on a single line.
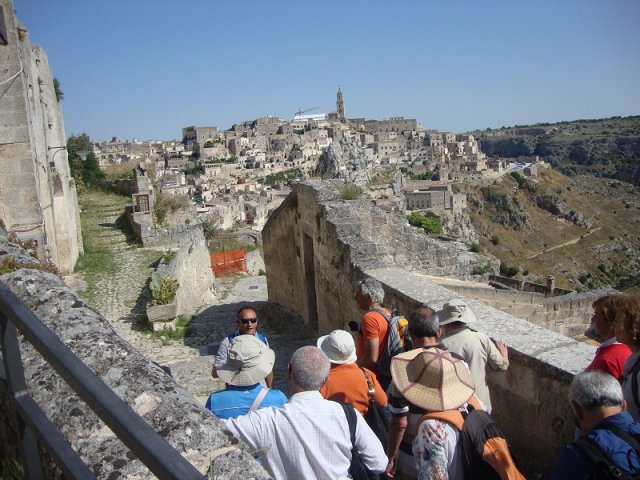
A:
[(432, 378), (249, 361), (455, 311), (338, 346)]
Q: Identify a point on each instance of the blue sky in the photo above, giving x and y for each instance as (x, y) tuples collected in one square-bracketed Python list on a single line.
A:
[(146, 68)]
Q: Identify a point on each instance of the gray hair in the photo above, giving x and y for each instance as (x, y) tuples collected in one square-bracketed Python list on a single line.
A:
[(423, 322), (309, 367), (372, 288), (595, 389)]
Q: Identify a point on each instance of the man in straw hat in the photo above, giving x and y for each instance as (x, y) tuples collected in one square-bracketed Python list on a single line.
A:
[(477, 349), (433, 380), (346, 381), (248, 362), (425, 332), (308, 437)]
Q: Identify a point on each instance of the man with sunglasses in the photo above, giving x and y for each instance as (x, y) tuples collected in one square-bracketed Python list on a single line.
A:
[(247, 320)]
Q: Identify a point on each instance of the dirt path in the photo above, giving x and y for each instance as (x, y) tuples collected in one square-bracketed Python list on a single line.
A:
[(117, 294), (570, 242)]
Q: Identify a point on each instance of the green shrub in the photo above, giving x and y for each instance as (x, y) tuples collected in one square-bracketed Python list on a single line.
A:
[(350, 192), (508, 271), (495, 239), (168, 256), (429, 222), (476, 248), (480, 270), (163, 289)]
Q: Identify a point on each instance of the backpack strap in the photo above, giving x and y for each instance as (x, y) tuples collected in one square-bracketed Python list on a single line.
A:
[(256, 403), (624, 436), (371, 388), (453, 416), (596, 457), (386, 316)]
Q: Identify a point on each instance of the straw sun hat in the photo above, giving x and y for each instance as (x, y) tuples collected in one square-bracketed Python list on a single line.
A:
[(249, 361), (338, 346), (432, 378)]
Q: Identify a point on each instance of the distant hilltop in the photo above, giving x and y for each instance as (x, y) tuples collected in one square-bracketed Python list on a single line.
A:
[(608, 147)]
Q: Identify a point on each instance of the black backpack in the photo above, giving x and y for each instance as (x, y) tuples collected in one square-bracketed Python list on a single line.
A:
[(602, 467), (484, 449)]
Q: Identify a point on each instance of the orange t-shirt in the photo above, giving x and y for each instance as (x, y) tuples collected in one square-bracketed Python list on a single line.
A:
[(373, 325), (346, 383)]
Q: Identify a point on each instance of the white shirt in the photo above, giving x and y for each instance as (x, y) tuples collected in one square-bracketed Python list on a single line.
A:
[(307, 438)]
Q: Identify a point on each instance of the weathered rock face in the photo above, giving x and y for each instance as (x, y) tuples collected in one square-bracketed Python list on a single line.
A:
[(165, 406), (459, 225), (316, 245), (343, 161)]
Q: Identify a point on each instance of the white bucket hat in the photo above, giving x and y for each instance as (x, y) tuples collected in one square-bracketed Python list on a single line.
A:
[(338, 346), (455, 311), (249, 361)]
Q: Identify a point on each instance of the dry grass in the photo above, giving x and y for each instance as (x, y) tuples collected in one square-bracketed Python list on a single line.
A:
[(600, 258)]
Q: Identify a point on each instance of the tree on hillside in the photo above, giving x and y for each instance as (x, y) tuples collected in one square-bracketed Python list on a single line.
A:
[(86, 171)]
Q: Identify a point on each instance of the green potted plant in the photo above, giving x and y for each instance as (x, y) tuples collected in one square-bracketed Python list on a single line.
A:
[(162, 307)]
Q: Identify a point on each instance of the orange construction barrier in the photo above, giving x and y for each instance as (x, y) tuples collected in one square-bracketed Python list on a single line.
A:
[(229, 262)]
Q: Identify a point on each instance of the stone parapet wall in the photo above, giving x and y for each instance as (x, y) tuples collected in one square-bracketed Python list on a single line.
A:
[(170, 410)]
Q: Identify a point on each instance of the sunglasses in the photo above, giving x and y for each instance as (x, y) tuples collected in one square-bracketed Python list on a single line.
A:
[(245, 321)]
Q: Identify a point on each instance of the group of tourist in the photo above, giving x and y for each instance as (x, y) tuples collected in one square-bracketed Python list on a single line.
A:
[(605, 398), (443, 374)]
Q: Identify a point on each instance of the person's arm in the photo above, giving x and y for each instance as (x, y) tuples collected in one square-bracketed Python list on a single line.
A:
[(369, 447), (571, 465), (370, 356), (397, 427), (497, 355), (221, 356)]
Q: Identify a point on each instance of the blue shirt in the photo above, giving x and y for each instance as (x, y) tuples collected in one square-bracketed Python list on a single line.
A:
[(234, 401), (573, 465)]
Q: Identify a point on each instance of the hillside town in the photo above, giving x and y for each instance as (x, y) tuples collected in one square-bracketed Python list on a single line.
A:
[(241, 174)]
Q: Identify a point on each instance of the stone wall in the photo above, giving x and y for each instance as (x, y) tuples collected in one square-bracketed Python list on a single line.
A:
[(38, 199), (199, 436), (141, 223), (191, 267), (568, 314), (316, 247)]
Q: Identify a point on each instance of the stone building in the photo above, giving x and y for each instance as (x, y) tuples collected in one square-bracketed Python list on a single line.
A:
[(435, 198), (38, 199)]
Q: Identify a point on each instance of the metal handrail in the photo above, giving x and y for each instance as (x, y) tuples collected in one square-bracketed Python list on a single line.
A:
[(150, 448)]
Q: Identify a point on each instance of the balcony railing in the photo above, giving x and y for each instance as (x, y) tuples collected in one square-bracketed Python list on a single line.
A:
[(36, 430)]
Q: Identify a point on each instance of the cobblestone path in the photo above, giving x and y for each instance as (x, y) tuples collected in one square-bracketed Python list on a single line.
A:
[(117, 295)]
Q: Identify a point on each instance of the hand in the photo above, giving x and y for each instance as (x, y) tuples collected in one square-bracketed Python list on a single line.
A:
[(391, 468), (503, 349)]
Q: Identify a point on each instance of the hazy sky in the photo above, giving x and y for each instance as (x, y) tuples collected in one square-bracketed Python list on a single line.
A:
[(146, 68)]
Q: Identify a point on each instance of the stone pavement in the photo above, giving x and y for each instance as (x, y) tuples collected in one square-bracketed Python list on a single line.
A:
[(191, 359)]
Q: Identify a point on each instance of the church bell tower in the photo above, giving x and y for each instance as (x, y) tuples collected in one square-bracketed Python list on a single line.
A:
[(340, 106)]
